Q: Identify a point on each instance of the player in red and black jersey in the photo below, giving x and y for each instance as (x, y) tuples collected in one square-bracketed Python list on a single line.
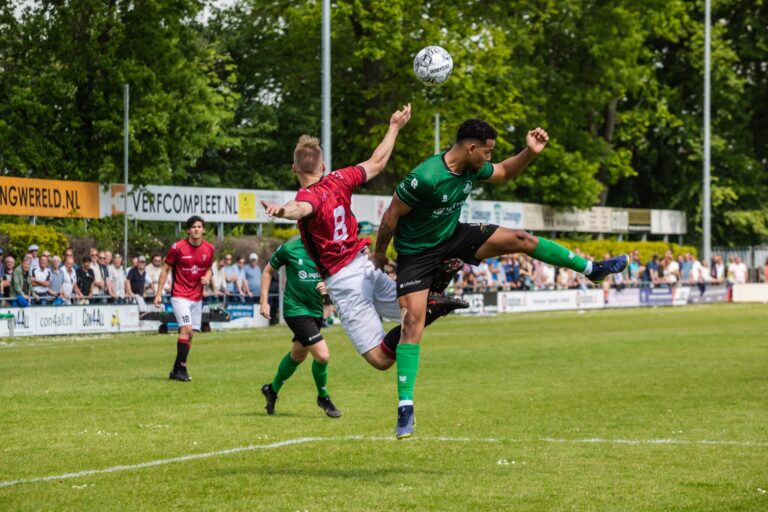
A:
[(189, 260), (362, 294)]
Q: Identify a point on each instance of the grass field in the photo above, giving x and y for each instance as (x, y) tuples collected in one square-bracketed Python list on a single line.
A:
[(653, 409)]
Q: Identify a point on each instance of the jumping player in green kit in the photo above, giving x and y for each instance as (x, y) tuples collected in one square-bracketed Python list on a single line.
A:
[(303, 312), (423, 217)]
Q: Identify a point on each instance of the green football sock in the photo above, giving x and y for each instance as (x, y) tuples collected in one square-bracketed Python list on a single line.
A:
[(407, 367), (559, 256), (284, 372), (320, 373)]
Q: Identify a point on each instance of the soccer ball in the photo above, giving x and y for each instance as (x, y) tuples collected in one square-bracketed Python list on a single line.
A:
[(433, 65)]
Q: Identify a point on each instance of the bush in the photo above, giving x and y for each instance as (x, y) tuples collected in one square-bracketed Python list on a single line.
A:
[(598, 248), (16, 239)]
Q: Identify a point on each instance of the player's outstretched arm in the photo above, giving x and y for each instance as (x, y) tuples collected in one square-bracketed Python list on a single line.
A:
[(266, 278), (397, 208), (293, 210), (513, 166), (378, 161)]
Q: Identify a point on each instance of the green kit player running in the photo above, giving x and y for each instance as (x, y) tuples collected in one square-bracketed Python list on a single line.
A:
[(423, 216), (303, 312)]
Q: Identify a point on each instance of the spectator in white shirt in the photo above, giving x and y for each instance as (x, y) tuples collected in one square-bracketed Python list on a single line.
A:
[(41, 281)]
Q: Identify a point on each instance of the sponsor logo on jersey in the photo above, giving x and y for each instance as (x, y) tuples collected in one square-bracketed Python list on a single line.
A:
[(445, 198), (302, 274), (410, 283), (468, 187)]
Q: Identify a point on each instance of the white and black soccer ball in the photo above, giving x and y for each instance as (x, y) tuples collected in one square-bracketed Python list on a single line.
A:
[(433, 65)]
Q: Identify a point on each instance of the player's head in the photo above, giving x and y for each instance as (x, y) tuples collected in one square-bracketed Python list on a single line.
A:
[(308, 156), (195, 227), (478, 139)]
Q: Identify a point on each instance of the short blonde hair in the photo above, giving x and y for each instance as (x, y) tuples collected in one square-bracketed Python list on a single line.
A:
[(307, 155)]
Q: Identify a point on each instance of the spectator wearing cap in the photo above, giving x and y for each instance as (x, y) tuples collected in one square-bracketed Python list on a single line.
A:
[(136, 281), (252, 274), (33, 250), (21, 283)]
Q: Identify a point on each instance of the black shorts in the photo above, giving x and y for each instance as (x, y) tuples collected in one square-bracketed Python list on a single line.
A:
[(306, 329), (416, 272)]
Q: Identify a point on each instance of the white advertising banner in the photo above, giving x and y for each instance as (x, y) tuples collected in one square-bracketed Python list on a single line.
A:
[(508, 215), (750, 292), (44, 320), (590, 299), (550, 300), (680, 295), (160, 203)]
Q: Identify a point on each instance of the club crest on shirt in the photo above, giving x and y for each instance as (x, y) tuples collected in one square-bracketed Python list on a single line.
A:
[(414, 183), (468, 187)]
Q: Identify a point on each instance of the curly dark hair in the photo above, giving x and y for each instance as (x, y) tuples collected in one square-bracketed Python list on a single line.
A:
[(195, 218), (475, 129)]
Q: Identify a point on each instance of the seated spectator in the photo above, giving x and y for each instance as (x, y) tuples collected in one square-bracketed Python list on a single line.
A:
[(41, 281), (651, 274), (136, 280), (69, 289), (85, 279), (117, 279), (21, 283)]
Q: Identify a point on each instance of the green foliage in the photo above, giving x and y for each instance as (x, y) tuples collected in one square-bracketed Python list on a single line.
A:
[(18, 238), (285, 233), (598, 248)]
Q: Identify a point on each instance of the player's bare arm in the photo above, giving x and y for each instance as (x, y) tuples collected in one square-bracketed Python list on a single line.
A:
[(293, 210), (378, 161), (206, 279), (161, 282), (397, 208), (266, 278), (513, 166)]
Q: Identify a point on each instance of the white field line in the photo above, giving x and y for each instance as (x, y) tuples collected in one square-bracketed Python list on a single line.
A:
[(304, 440)]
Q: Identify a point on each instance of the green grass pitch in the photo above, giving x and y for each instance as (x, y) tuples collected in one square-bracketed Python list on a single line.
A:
[(648, 409)]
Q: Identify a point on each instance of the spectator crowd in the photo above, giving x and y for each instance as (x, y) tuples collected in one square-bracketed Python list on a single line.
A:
[(101, 277)]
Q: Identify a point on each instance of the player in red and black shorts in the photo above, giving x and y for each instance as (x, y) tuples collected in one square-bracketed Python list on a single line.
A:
[(189, 261)]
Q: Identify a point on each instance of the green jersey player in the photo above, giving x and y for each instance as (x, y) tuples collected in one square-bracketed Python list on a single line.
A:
[(423, 216), (303, 312)]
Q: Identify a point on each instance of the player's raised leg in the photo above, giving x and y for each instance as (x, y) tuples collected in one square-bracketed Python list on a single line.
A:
[(506, 241)]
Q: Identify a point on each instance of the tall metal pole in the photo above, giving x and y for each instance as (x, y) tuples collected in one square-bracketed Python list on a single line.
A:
[(326, 89), (706, 207), (437, 133), (126, 104)]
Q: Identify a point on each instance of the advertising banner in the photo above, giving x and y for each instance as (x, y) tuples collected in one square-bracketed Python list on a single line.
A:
[(590, 299), (159, 203), (44, 320), (626, 298), (49, 198), (680, 295), (655, 297), (476, 304), (518, 302), (242, 316), (710, 295), (750, 292)]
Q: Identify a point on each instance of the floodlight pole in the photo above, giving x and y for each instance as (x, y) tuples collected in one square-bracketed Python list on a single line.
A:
[(437, 133), (706, 207), (126, 104), (326, 86)]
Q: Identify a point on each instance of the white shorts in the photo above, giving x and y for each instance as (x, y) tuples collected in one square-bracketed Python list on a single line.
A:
[(362, 294), (188, 312)]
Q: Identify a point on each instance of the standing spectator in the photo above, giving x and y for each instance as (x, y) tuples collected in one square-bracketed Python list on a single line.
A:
[(41, 281), (218, 284), (69, 288), (2, 270), (671, 269), (153, 274), (21, 283), (231, 273), (252, 273), (738, 271), (765, 271), (242, 285), (85, 279), (99, 286), (57, 279), (8, 264), (33, 250), (651, 272), (69, 253), (136, 281), (699, 276), (718, 269), (565, 278), (634, 269), (117, 279), (686, 264)]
